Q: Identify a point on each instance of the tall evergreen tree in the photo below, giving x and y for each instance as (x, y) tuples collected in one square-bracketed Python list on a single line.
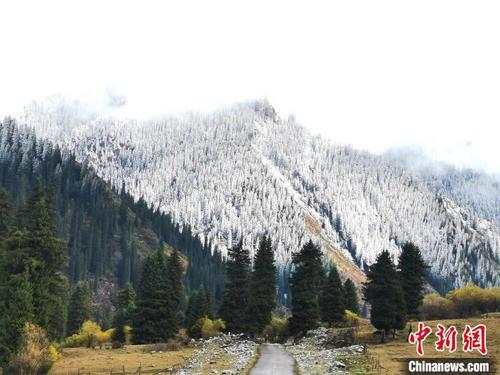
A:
[(175, 274), (126, 297), (48, 252), (306, 281), (16, 308), (385, 294), (198, 307), (411, 270), (125, 304), (154, 317), (80, 307), (262, 293), (5, 212), (235, 299), (351, 297), (332, 299), (94, 219), (119, 323)]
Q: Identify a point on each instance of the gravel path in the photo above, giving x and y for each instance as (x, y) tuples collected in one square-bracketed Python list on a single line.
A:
[(273, 360)]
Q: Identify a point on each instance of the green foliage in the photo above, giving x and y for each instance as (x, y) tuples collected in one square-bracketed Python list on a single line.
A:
[(385, 294), (351, 319), (175, 272), (33, 286), (153, 320), (262, 288), (332, 299), (306, 282), (235, 301), (80, 307), (105, 232), (198, 307), (411, 270), (206, 328), (211, 328), (5, 212), (46, 254), (351, 297), (119, 323), (276, 330), (16, 309), (35, 355), (126, 298), (125, 305)]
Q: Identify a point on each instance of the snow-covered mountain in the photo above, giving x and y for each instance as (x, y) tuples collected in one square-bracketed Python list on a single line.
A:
[(242, 171)]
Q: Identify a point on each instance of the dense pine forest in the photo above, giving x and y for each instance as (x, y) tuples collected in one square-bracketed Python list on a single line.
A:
[(242, 170), (106, 233)]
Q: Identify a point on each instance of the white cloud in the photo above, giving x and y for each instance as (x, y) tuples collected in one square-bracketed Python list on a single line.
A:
[(374, 74)]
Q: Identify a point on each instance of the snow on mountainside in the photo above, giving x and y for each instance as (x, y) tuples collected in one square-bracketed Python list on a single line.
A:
[(242, 171)]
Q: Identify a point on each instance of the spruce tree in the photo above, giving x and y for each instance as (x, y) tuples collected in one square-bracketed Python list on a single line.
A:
[(411, 270), (175, 273), (16, 308), (154, 316), (126, 297), (48, 253), (5, 212), (306, 281), (385, 294), (198, 307), (119, 323), (262, 293), (351, 297), (235, 300), (332, 299), (80, 307), (125, 304)]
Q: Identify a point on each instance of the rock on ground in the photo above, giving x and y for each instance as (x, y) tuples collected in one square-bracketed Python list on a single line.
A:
[(225, 354), (314, 358)]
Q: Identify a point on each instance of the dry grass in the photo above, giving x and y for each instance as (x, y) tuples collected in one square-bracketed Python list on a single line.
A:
[(253, 361), (218, 363), (392, 354), (131, 357)]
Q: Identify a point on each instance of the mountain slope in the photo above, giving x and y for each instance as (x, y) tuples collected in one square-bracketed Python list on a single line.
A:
[(107, 233), (242, 171)]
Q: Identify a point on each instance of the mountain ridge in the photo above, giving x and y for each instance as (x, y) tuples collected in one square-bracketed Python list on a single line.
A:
[(242, 171)]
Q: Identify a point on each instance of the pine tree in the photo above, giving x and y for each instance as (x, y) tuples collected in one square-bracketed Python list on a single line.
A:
[(235, 300), (119, 323), (332, 299), (5, 211), (351, 297), (125, 304), (126, 298), (80, 307), (16, 308), (198, 307), (175, 274), (48, 252), (306, 281), (262, 293), (154, 316), (411, 270), (385, 294)]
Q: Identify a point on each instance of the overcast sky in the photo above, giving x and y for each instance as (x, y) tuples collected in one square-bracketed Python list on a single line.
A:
[(375, 74)]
